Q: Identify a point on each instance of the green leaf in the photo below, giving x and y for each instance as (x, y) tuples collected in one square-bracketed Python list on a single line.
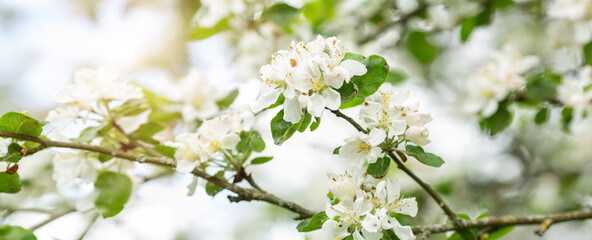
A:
[(347, 92), (566, 117), (261, 160), (467, 234), (250, 140), (395, 77), (112, 190), (497, 234), (542, 116), (9, 183), (229, 99), (380, 168), (279, 101), (20, 123), (421, 48), (429, 159), (336, 150), (166, 150), (498, 121), (159, 108), (377, 73), (131, 107), (314, 125), (357, 101), (353, 56), (281, 130), (8, 232), (14, 153), (542, 86), (90, 133), (587, 50), (147, 130), (468, 24), (31, 145), (199, 32), (281, 14), (304, 122), (317, 11), (313, 223), (389, 234), (212, 189)]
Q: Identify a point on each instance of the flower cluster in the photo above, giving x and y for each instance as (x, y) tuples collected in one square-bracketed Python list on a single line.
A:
[(212, 140), (575, 92), (494, 81), (307, 75), (355, 207), (573, 14)]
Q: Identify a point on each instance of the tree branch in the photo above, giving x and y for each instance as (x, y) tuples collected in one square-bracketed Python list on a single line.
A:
[(244, 193), (504, 221)]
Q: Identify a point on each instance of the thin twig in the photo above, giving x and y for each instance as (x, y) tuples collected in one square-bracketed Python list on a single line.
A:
[(247, 194), (88, 227), (133, 141), (447, 210), (52, 218), (350, 120), (504, 221)]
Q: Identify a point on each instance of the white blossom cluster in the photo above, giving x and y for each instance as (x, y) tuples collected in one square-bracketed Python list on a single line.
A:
[(212, 140), (494, 81), (91, 96), (356, 207), (573, 14), (575, 92), (307, 75)]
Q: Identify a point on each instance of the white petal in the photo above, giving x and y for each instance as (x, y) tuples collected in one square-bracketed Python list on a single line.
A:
[(316, 105), (408, 206), (372, 235), (332, 98), (229, 141), (357, 235), (404, 232), (371, 223), (393, 189), (334, 229), (292, 110), (376, 137), (186, 165), (353, 66)]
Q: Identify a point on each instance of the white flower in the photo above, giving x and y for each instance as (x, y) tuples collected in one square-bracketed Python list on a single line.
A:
[(307, 77), (570, 9), (344, 186), (417, 135), (197, 95), (91, 85), (350, 212), (69, 166), (188, 153), (571, 92), (387, 200), (494, 81), (215, 136), (364, 147)]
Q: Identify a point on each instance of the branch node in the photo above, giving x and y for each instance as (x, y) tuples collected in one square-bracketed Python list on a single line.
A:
[(544, 227)]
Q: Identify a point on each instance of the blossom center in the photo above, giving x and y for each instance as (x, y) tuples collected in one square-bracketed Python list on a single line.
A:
[(363, 147)]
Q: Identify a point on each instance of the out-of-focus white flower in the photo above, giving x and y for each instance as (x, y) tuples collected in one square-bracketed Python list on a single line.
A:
[(363, 147), (188, 153), (197, 95), (69, 166), (387, 200), (212, 11), (385, 110), (494, 81), (575, 92), (570, 9), (91, 85), (307, 76)]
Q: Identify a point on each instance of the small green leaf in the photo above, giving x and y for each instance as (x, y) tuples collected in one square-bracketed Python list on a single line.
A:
[(250, 140), (377, 72), (314, 125), (336, 150), (261, 160), (9, 183), (355, 102), (281, 130), (112, 190), (497, 234), (380, 168), (199, 32), (14, 153), (306, 119), (389, 234), (90, 133), (159, 105), (318, 11), (587, 50), (353, 56), (166, 150), (467, 234), (498, 121), (347, 92), (429, 159), (542, 116), (419, 46), (542, 86), (395, 77), (212, 189), (229, 99), (279, 101), (147, 130), (8, 232), (468, 24), (313, 223), (566, 117), (20, 123), (131, 107)]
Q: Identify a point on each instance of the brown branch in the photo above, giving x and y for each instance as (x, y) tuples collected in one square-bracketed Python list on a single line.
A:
[(402, 20), (504, 221), (133, 141), (244, 193), (447, 210)]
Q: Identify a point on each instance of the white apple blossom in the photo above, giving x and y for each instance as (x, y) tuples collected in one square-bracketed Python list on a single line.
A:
[(575, 92), (69, 166), (307, 75), (364, 147), (352, 212), (494, 81), (385, 110), (188, 153), (388, 200)]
